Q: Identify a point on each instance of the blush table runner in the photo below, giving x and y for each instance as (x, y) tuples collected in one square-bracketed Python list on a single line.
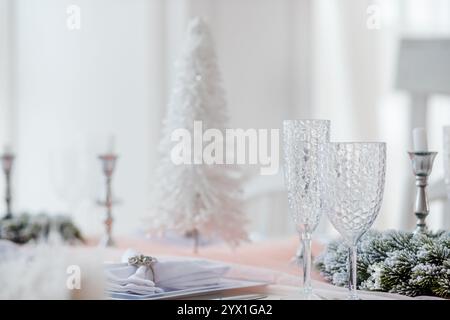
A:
[(268, 261)]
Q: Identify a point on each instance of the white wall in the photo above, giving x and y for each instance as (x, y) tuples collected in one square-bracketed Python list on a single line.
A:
[(255, 59), (76, 87)]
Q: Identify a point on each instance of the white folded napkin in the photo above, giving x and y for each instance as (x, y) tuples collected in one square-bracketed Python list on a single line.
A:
[(169, 274)]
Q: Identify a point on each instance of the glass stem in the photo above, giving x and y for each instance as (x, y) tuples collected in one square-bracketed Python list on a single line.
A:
[(352, 281), (306, 241)]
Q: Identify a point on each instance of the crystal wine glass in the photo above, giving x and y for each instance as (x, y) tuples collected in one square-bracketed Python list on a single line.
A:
[(353, 177), (303, 141), (447, 158)]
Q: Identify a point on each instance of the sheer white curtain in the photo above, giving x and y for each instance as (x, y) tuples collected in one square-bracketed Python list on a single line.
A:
[(6, 110), (354, 85)]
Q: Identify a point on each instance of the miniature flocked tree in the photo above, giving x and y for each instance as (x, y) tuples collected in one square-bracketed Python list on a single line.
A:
[(197, 199)]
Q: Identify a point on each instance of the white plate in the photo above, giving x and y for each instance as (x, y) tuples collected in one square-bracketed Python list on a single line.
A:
[(224, 285)]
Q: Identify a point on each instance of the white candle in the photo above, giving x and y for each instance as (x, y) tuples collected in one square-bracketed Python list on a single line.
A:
[(420, 140), (111, 144)]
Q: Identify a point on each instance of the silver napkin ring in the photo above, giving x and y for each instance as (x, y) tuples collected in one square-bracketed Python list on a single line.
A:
[(143, 261)]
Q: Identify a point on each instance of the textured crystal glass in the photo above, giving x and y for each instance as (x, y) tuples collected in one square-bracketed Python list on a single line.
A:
[(353, 177), (303, 141), (447, 158)]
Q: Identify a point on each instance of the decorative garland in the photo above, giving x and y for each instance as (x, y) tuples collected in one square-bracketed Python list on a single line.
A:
[(25, 227), (393, 261)]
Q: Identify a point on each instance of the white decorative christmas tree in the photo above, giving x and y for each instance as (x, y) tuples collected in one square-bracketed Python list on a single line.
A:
[(197, 199)]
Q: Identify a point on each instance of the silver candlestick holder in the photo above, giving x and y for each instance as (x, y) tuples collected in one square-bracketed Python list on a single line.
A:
[(422, 163), (108, 166), (7, 163)]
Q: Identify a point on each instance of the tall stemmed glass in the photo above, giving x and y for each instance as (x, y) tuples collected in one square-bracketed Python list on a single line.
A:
[(303, 141), (353, 178)]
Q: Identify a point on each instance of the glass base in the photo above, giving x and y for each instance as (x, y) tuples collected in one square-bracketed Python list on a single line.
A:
[(304, 296), (353, 296), (311, 296)]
